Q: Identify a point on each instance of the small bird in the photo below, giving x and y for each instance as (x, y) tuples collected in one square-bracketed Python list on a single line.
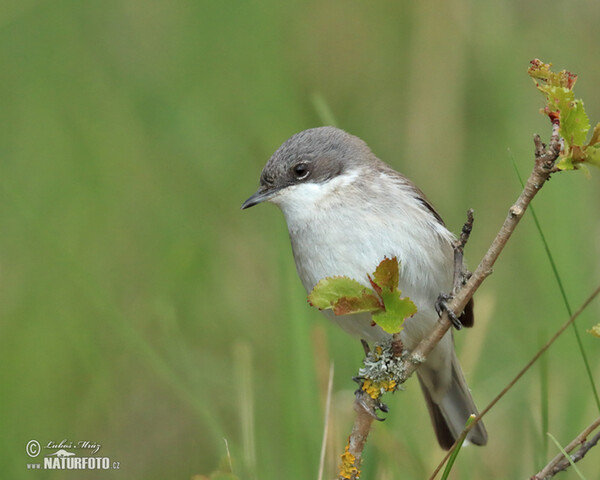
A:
[(346, 210)]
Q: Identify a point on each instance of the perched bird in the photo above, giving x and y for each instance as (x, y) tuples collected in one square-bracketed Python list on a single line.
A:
[(346, 210)]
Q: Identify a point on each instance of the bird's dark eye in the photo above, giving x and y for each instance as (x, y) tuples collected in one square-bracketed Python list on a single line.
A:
[(300, 171)]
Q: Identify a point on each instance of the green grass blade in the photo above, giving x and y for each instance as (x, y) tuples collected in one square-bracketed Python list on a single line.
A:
[(455, 452), (567, 456), (543, 364)]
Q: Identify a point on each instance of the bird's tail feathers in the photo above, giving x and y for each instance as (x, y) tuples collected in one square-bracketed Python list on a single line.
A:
[(449, 413)]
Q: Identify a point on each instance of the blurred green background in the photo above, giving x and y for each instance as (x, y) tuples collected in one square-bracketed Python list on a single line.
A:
[(142, 310)]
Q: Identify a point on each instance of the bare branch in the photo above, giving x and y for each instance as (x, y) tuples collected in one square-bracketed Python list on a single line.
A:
[(364, 406), (460, 276), (560, 462)]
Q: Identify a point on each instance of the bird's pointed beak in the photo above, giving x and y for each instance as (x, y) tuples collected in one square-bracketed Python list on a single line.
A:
[(261, 195)]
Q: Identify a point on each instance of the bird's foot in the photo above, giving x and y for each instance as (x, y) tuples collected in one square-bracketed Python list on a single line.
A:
[(370, 404), (441, 305), (365, 346)]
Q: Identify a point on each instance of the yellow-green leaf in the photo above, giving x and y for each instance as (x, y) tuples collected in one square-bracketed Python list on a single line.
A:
[(346, 296), (558, 98), (387, 274), (574, 123), (568, 112), (565, 163), (343, 295), (397, 310)]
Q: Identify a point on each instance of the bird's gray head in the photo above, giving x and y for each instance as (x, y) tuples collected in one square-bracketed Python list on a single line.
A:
[(314, 156)]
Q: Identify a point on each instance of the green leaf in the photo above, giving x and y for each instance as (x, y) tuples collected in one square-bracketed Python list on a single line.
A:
[(387, 274), (565, 163), (344, 296), (559, 98), (385, 281), (574, 123), (562, 108), (330, 289), (397, 309)]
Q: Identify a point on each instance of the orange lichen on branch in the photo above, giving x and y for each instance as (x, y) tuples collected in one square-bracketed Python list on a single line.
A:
[(376, 389), (348, 468)]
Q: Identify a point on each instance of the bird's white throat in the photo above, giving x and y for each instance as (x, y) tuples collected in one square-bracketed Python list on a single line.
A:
[(302, 202)]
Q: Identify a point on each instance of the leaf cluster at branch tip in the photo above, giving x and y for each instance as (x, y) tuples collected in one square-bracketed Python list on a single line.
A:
[(568, 112)]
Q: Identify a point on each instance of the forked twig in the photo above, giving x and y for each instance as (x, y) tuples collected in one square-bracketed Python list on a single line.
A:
[(560, 463)]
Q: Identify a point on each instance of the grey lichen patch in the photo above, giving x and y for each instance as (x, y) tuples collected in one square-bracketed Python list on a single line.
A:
[(382, 365), (417, 359)]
